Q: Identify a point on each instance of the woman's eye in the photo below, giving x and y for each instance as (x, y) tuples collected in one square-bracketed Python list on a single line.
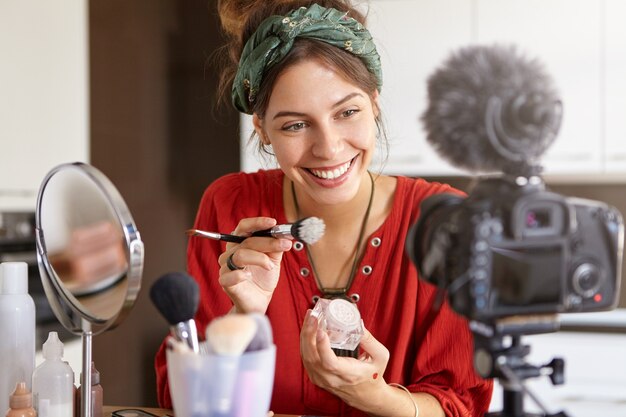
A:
[(349, 112), (295, 127)]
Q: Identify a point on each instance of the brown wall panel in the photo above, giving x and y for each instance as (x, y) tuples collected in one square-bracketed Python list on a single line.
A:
[(155, 133)]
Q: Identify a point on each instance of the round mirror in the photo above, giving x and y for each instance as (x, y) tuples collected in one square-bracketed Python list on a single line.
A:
[(89, 251), (90, 255)]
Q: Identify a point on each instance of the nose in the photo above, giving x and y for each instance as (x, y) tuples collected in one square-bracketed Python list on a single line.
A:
[(327, 143)]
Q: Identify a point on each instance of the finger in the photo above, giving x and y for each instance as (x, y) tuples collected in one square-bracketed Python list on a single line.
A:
[(308, 350), (309, 326), (376, 351), (252, 224), (328, 358), (341, 371), (269, 245), (244, 257), (232, 278)]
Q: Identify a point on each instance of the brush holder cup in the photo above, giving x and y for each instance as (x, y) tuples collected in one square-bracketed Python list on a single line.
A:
[(220, 385)]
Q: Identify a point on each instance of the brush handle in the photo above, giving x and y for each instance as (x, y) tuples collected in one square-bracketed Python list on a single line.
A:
[(279, 231), (216, 236), (232, 238), (186, 332)]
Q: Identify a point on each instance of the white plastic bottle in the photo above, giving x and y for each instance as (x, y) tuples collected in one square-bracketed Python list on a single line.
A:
[(53, 382), (17, 330)]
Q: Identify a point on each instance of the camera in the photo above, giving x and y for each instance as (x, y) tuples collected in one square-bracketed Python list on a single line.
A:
[(511, 254), (513, 248)]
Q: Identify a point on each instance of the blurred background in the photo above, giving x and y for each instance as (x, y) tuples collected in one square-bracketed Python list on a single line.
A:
[(130, 87)]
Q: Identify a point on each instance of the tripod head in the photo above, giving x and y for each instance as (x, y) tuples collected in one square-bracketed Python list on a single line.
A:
[(499, 353)]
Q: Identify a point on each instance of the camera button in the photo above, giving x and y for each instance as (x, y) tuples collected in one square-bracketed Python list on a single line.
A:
[(481, 246)]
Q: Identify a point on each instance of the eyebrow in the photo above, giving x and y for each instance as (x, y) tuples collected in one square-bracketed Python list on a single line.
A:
[(298, 114)]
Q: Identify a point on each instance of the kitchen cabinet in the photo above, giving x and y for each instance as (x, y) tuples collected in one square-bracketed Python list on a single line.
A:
[(615, 86), (582, 44), (44, 110), (566, 35), (413, 38)]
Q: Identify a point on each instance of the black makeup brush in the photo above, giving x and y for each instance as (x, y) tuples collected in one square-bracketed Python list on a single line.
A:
[(176, 296), (308, 230)]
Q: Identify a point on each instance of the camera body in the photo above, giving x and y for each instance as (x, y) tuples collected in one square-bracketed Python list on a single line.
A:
[(513, 248)]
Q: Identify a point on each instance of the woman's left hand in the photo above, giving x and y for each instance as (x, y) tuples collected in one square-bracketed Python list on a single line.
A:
[(355, 381)]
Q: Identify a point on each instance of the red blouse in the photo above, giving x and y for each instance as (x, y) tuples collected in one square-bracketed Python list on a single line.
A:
[(393, 303)]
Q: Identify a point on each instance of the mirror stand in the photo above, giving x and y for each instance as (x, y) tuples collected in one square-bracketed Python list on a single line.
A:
[(81, 219), (85, 381)]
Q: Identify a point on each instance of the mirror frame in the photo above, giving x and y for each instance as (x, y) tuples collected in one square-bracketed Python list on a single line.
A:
[(68, 310)]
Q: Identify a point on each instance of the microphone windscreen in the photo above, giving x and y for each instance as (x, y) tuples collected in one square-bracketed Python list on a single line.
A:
[(490, 108), (176, 295)]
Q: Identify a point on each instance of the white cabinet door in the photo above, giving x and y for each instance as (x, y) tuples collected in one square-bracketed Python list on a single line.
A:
[(566, 35), (43, 94), (615, 83), (413, 38)]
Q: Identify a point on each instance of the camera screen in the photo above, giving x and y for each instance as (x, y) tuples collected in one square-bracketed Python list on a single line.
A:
[(538, 219), (527, 276)]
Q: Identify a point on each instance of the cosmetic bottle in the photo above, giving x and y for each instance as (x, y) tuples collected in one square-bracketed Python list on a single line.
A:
[(17, 330), (21, 402), (97, 394), (53, 382), (341, 320)]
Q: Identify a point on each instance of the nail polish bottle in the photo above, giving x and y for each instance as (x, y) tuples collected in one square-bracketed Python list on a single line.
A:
[(97, 394)]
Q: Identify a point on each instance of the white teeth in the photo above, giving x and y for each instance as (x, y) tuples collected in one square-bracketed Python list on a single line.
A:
[(331, 174)]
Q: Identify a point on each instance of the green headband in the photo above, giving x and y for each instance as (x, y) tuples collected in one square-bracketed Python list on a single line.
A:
[(274, 38)]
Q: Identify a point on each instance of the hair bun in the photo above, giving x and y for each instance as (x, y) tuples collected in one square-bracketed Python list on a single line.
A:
[(233, 15), (240, 18)]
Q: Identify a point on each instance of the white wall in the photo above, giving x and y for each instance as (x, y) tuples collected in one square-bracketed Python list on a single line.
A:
[(44, 93)]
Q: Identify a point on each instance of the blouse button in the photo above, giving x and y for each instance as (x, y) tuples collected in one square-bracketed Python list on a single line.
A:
[(367, 269), (298, 245), (376, 242), (304, 272), (355, 297), (315, 299)]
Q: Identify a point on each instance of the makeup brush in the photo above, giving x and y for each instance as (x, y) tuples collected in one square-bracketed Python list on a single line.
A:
[(263, 338), (176, 296), (231, 334), (308, 230), (228, 336)]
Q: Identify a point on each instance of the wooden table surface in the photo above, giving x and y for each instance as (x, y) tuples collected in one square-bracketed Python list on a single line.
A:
[(160, 412)]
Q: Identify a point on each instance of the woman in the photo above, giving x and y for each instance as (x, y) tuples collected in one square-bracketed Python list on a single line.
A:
[(310, 76)]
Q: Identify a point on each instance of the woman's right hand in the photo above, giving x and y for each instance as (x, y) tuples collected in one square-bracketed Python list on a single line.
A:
[(251, 287)]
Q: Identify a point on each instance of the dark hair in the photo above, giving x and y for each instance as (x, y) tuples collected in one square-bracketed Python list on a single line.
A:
[(240, 19)]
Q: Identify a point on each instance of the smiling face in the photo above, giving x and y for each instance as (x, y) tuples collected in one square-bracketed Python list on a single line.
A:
[(322, 129)]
